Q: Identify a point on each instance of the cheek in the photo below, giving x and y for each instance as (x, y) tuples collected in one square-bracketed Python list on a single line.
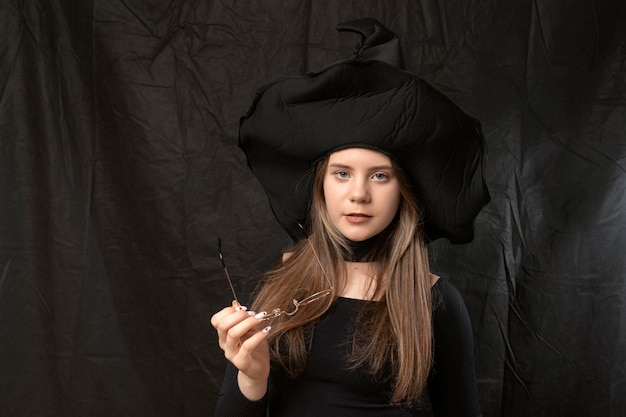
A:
[(393, 203), (330, 195), (325, 193)]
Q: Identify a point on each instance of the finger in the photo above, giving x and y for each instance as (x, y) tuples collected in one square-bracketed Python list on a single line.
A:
[(252, 342), (242, 357), (241, 331), (242, 328), (219, 316), (226, 323)]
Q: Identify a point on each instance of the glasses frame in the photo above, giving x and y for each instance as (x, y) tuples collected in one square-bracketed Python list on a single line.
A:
[(277, 312)]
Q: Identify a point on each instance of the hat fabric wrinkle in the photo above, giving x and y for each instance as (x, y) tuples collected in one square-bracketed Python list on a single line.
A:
[(294, 122)]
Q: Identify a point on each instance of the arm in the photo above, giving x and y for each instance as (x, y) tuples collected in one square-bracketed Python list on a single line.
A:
[(240, 395), (232, 402), (452, 382)]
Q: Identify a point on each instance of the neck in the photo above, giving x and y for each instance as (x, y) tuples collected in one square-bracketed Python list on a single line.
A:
[(361, 251)]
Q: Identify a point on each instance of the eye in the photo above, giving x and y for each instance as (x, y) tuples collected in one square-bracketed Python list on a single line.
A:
[(341, 174), (380, 176)]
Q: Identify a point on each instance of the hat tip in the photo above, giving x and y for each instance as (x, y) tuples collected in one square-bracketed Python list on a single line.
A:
[(377, 42)]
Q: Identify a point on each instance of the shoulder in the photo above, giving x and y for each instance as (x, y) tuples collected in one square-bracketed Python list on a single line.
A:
[(448, 306), (445, 294), (266, 263), (269, 262), (247, 287)]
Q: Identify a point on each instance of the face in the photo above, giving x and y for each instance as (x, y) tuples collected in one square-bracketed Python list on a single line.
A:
[(361, 192)]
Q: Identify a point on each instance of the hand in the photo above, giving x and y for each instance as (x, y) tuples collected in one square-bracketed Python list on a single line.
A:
[(243, 340)]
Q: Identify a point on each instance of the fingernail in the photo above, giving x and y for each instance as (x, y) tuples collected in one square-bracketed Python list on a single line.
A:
[(241, 308), (251, 313), (261, 315), (267, 329)]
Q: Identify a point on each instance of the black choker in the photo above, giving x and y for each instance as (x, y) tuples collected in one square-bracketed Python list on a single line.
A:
[(361, 251)]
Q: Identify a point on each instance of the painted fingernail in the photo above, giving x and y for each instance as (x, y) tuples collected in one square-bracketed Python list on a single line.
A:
[(261, 315), (251, 313), (241, 308), (267, 329)]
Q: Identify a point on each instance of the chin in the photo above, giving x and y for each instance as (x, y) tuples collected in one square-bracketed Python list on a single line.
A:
[(358, 237)]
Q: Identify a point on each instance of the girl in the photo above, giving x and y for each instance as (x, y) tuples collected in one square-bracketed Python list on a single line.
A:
[(351, 321)]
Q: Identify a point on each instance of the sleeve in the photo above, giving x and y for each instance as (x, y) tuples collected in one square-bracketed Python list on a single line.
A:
[(452, 382), (232, 403)]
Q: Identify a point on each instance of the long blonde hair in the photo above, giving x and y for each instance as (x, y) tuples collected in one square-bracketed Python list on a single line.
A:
[(395, 331)]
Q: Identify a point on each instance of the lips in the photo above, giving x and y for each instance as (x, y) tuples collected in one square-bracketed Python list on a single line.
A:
[(357, 217)]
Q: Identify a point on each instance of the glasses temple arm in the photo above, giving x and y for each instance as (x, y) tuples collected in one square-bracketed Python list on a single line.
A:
[(316, 257), (230, 282)]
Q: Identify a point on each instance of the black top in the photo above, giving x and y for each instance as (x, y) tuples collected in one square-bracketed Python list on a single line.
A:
[(327, 389)]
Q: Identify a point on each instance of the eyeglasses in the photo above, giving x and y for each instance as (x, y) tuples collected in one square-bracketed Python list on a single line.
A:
[(277, 312)]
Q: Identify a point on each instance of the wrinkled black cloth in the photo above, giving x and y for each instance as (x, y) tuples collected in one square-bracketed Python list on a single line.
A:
[(326, 388)]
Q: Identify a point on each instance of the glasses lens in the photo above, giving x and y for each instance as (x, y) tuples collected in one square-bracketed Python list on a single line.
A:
[(314, 297)]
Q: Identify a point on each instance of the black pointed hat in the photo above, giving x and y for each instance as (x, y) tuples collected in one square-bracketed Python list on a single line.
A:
[(367, 101)]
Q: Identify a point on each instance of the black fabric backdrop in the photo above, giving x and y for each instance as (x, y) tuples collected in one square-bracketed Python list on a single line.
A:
[(119, 168)]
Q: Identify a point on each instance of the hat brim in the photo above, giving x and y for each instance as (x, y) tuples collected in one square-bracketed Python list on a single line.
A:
[(296, 121)]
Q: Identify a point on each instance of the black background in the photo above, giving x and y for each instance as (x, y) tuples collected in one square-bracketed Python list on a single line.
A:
[(119, 168)]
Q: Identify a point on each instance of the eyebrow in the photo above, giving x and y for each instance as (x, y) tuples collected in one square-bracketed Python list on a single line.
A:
[(373, 168)]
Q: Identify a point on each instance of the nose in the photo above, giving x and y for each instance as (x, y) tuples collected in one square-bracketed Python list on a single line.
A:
[(359, 192)]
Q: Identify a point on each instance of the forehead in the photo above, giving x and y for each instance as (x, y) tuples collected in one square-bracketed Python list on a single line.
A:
[(359, 156)]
